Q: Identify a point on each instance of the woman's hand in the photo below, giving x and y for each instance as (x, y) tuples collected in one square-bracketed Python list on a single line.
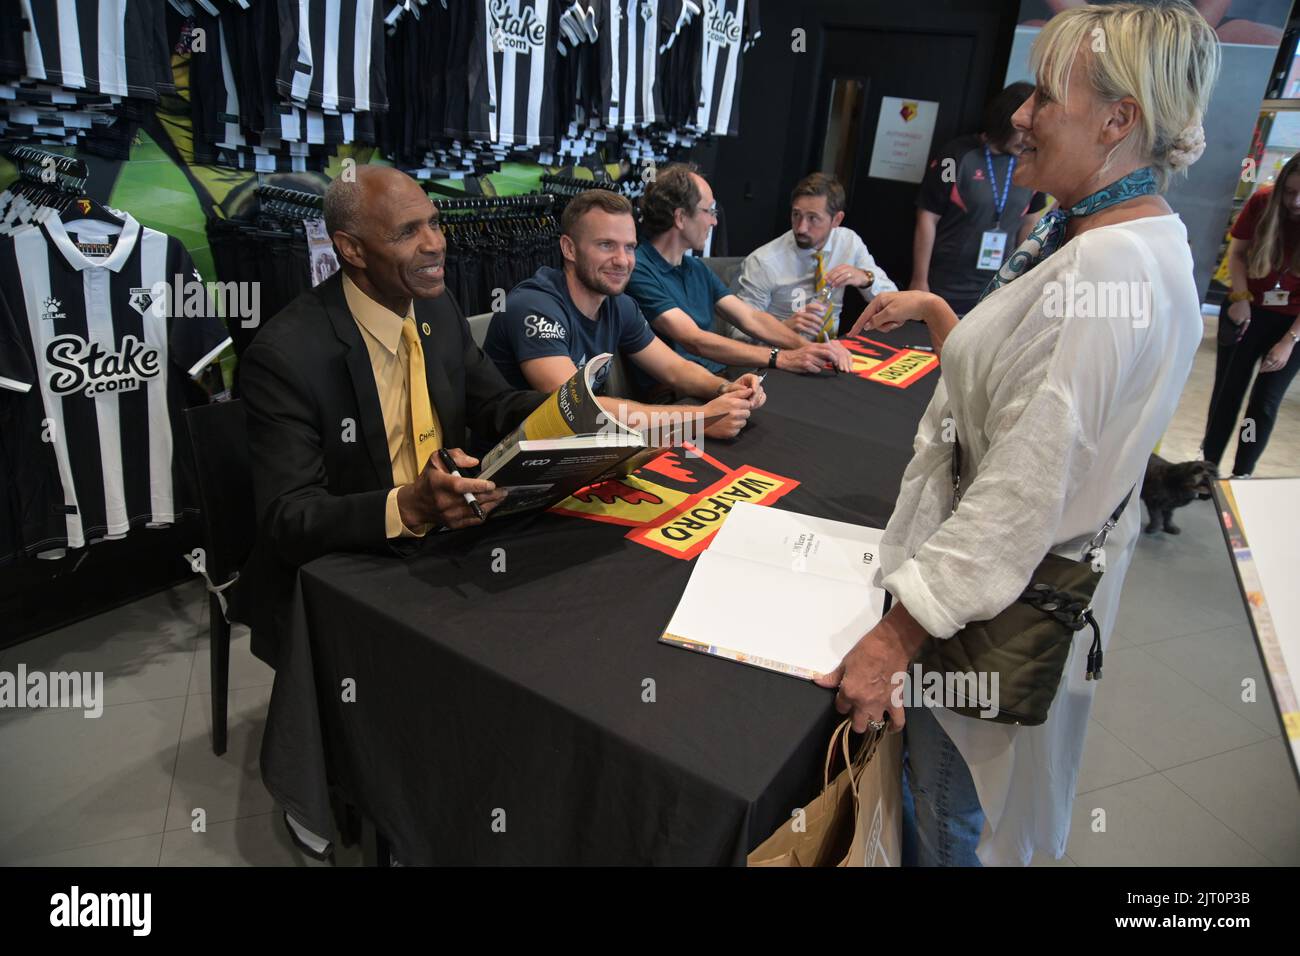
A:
[(1278, 355), (876, 665), (1239, 313), (889, 310)]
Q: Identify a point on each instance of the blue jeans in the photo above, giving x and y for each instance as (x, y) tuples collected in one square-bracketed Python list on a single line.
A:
[(942, 819)]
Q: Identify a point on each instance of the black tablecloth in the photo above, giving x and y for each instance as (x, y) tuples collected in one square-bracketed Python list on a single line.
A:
[(501, 717)]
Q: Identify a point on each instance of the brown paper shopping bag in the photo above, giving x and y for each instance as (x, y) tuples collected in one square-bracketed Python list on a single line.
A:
[(855, 820), (879, 832)]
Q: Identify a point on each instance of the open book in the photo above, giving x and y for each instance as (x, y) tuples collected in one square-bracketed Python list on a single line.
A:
[(569, 442), (782, 591)]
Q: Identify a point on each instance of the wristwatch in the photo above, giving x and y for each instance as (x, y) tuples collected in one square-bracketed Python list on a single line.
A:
[(1241, 295), (771, 359)]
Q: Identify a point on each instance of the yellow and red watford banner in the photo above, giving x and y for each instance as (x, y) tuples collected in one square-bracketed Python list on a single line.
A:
[(678, 502), (887, 365), (687, 530)]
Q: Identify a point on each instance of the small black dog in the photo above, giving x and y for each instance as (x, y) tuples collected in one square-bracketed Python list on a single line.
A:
[(1168, 486)]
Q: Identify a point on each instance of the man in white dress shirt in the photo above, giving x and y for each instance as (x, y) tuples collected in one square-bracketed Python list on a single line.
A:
[(785, 276)]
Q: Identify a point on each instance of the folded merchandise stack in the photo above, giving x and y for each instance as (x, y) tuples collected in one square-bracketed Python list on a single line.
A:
[(434, 55), (614, 83), (579, 119), (702, 65), (647, 80), (81, 74), (279, 85), (453, 88), (477, 82)]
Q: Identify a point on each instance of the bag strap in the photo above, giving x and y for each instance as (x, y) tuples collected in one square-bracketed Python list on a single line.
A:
[(1098, 540), (854, 762), (956, 472), (841, 731), (858, 763)]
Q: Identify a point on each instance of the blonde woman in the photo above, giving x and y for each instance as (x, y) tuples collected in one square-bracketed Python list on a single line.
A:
[(1260, 323), (1056, 406)]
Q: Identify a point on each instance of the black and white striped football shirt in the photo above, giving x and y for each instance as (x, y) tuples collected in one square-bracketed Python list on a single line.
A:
[(332, 54), (117, 47), (512, 71), (93, 351), (730, 28), (229, 117), (632, 34)]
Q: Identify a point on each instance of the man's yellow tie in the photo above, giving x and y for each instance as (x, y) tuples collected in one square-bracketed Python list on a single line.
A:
[(424, 425), (819, 283)]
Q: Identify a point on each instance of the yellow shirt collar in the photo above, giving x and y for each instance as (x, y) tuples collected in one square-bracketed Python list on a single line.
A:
[(384, 324)]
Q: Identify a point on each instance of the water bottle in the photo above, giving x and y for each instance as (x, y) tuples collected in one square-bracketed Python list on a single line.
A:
[(821, 305)]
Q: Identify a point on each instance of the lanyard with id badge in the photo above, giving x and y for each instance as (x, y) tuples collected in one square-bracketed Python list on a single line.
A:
[(1277, 295), (993, 243)]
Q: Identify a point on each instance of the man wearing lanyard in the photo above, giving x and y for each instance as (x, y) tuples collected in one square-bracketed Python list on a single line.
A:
[(993, 244), (970, 215)]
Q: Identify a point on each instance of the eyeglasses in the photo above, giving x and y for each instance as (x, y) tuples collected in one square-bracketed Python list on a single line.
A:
[(709, 211)]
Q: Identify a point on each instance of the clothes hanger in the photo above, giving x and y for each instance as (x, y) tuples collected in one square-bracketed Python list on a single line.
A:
[(69, 192)]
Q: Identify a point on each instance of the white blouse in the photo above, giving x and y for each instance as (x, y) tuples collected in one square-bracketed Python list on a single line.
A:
[(1059, 385)]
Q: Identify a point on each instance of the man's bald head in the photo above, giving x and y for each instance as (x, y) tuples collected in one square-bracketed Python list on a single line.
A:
[(346, 199), (386, 232)]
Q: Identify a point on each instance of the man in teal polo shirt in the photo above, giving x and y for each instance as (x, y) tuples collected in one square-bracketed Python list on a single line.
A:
[(679, 294)]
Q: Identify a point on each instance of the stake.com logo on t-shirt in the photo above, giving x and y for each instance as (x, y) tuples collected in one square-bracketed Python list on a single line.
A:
[(538, 326)]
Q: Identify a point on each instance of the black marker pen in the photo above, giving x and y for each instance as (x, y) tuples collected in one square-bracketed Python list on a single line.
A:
[(444, 456)]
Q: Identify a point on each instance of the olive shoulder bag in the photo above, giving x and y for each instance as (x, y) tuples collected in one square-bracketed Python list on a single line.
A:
[(1026, 646)]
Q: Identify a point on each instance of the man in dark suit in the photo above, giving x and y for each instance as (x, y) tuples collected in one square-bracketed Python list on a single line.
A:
[(350, 390)]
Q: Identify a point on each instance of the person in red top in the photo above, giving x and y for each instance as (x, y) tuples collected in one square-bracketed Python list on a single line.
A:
[(1261, 323)]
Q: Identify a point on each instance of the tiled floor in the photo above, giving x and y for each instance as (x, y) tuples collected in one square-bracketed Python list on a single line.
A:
[(1177, 766), (140, 785)]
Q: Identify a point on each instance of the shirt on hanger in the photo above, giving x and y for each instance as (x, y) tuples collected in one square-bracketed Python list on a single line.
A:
[(730, 27), (511, 72), (332, 54), (116, 47), (631, 35), (96, 350)]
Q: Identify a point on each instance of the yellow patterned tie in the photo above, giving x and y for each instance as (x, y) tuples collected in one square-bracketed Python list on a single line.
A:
[(819, 283), (424, 423)]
